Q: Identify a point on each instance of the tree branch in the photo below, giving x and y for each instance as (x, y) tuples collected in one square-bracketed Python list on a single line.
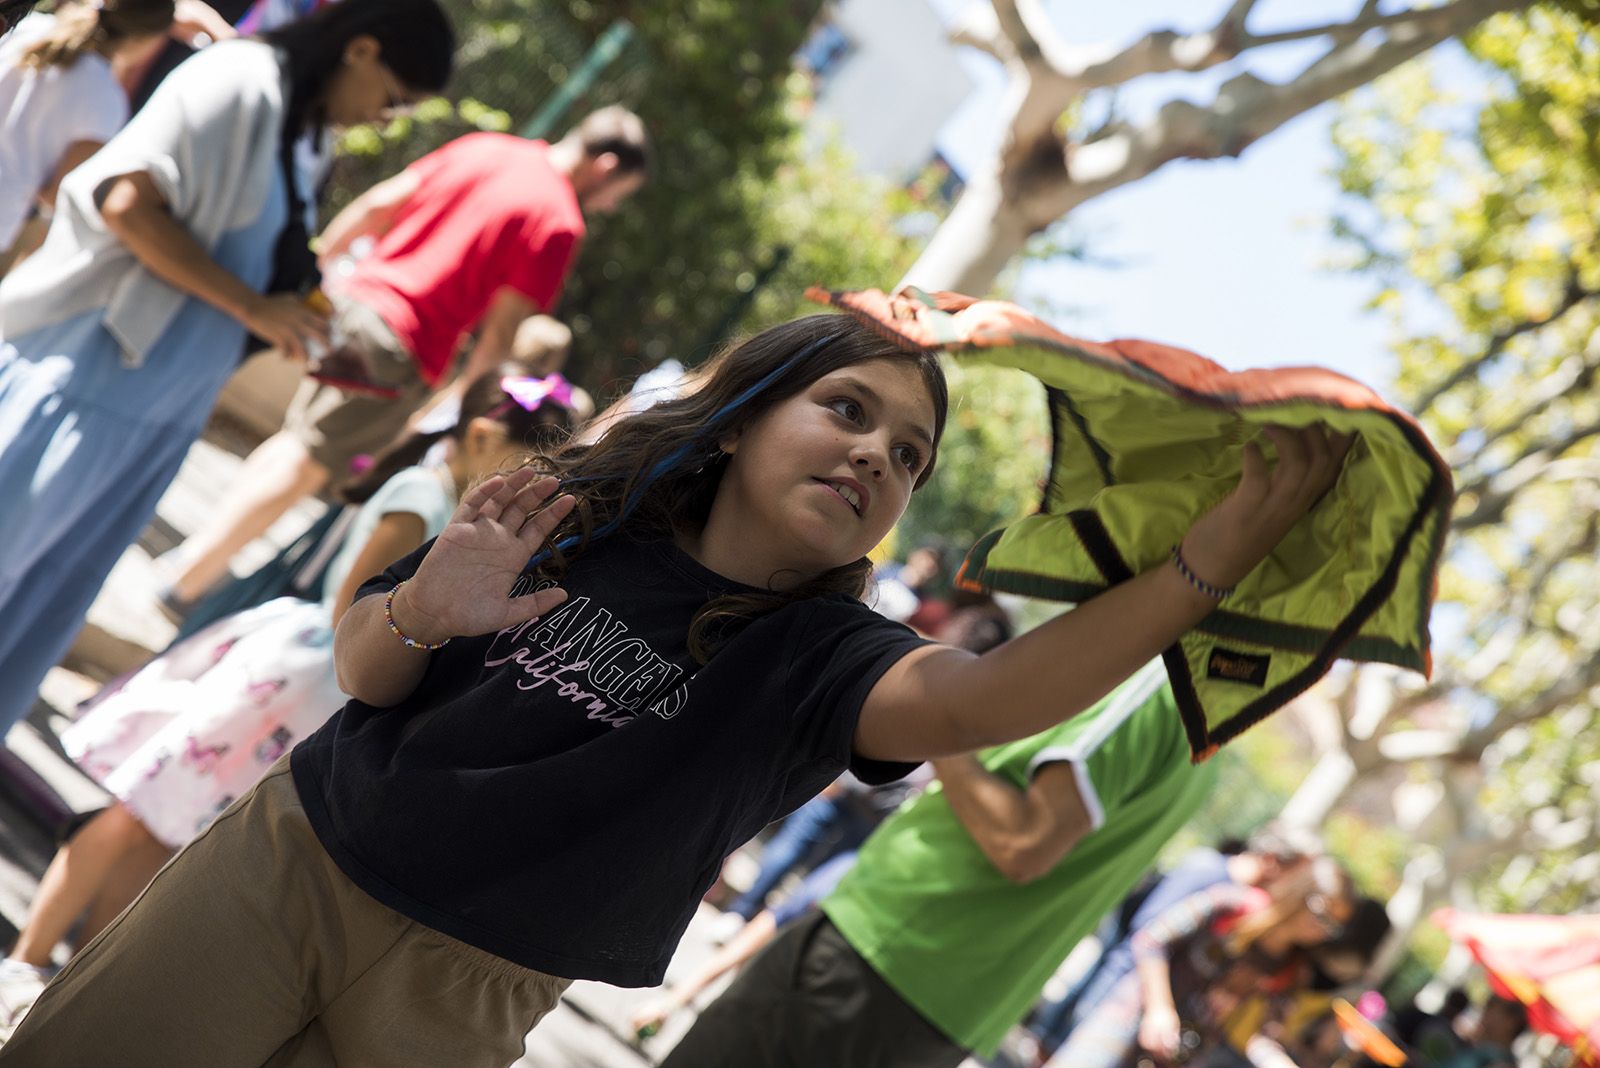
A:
[(1165, 51), (1350, 29), (1573, 294), (979, 28), (1247, 108), (1573, 374), (1495, 493), (1572, 687), (1239, 12), (1033, 38)]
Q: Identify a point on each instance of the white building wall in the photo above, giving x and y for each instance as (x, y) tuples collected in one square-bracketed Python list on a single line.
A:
[(887, 98)]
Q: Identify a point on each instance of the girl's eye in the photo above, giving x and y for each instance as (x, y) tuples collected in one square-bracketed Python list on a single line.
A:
[(847, 408), (908, 456)]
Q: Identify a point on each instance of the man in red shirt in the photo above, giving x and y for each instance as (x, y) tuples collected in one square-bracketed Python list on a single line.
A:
[(479, 233)]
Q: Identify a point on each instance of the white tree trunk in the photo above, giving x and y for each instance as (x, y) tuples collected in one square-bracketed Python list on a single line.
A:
[(1320, 792), (983, 233)]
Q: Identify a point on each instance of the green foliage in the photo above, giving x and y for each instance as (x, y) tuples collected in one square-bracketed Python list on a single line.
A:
[(1479, 217), (991, 462)]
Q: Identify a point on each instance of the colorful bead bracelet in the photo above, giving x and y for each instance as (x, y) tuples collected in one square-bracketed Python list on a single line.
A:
[(394, 628)]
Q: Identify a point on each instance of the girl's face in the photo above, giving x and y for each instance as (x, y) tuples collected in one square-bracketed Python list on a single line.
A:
[(824, 475), (486, 449), (364, 89)]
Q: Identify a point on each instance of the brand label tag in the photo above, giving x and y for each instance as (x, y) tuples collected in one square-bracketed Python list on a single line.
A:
[(1230, 665)]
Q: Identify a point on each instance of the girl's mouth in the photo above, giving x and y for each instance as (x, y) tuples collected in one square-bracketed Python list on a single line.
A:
[(846, 493)]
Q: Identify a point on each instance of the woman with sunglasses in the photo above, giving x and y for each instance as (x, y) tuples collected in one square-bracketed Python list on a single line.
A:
[(185, 233), (1207, 953), (195, 728)]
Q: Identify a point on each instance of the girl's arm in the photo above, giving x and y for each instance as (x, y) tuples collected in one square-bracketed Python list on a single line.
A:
[(459, 589), (396, 535), (136, 213), (939, 700)]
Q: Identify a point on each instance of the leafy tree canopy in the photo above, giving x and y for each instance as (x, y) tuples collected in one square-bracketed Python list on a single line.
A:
[(1477, 212)]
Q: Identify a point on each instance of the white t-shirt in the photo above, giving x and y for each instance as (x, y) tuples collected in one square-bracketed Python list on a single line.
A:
[(419, 490), (42, 113)]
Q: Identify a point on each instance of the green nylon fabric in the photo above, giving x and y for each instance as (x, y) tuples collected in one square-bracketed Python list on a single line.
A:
[(1146, 438)]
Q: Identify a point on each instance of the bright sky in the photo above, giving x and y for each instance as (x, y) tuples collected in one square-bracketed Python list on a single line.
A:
[(1225, 257)]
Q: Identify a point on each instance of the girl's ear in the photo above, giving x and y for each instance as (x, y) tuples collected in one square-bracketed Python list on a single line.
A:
[(481, 434), (730, 443), (362, 48)]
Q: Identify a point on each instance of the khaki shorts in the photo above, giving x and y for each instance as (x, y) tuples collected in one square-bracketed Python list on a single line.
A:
[(337, 426), (252, 948)]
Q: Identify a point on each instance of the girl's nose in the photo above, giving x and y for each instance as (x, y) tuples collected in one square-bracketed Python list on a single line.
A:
[(870, 462)]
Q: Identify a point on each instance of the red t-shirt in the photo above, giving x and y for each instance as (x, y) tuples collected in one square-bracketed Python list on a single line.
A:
[(489, 212)]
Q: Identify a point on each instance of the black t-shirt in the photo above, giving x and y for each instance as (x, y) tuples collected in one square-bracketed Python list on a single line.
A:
[(563, 794)]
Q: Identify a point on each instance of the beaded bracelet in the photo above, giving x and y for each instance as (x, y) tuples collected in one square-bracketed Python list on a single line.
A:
[(394, 628), (1214, 592)]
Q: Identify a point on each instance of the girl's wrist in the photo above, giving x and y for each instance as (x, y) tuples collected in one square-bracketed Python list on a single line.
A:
[(1204, 580), (413, 622), (1179, 592)]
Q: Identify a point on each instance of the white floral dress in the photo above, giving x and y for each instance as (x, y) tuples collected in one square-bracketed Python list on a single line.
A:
[(196, 727)]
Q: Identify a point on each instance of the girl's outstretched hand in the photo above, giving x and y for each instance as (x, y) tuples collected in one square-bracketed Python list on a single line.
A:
[(461, 586), (1226, 543)]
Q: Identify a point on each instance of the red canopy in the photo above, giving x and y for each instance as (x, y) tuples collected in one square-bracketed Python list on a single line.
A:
[(1549, 963)]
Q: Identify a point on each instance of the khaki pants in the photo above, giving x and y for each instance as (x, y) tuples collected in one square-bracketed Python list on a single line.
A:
[(337, 426), (252, 948)]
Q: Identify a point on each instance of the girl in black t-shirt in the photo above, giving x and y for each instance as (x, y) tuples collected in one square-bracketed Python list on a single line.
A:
[(546, 796)]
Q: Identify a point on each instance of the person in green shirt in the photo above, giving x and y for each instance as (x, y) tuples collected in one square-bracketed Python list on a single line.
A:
[(964, 902)]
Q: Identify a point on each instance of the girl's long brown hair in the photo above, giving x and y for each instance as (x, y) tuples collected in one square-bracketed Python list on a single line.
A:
[(616, 481), (86, 27)]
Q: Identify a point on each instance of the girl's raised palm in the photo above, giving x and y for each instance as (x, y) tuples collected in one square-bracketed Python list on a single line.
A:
[(461, 587)]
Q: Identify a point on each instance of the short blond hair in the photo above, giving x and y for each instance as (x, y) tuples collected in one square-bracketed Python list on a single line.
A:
[(541, 344)]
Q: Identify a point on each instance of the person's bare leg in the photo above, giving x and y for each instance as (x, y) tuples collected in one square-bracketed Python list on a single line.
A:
[(276, 476), (77, 874), (124, 883)]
